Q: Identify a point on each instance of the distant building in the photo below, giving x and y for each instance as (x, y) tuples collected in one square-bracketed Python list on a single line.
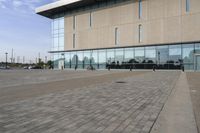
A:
[(125, 33)]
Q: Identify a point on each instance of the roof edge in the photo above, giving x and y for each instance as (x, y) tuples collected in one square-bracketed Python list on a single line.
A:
[(54, 5)]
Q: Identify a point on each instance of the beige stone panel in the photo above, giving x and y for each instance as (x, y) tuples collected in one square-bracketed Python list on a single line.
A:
[(191, 27), (127, 13), (183, 7), (126, 33), (93, 38), (145, 10), (68, 23), (172, 8), (68, 41), (101, 18), (114, 15), (155, 9), (82, 40), (83, 21), (135, 11), (154, 32), (172, 30), (106, 37), (195, 6)]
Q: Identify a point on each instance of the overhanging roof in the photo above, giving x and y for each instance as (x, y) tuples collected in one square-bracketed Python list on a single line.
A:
[(63, 5)]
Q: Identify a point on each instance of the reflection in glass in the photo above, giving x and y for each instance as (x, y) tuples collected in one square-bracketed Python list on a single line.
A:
[(94, 57), (162, 54), (56, 60), (164, 57), (58, 34), (150, 55), (188, 56), (87, 56), (128, 54), (197, 48), (139, 54), (102, 59), (174, 54), (67, 60), (119, 56), (175, 60), (110, 56), (188, 50), (73, 59), (80, 59)]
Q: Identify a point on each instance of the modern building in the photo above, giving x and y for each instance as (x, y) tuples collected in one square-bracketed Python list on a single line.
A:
[(125, 33)]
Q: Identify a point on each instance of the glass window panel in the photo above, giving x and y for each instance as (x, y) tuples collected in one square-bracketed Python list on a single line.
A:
[(175, 54), (80, 57), (55, 32), (188, 50), (128, 54), (187, 5), (87, 56), (197, 48), (60, 48), (102, 57), (61, 32), (94, 57), (56, 59), (67, 58), (162, 54), (116, 36), (110, 56), (150, 53), (140, 9), (61, 41), (119, 55), (140, 33), (55, 43), (61, 23), (56, 24), (139, 54), (73, 58)]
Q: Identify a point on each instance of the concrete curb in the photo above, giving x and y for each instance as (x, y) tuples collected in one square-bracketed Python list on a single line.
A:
[(177, 115)]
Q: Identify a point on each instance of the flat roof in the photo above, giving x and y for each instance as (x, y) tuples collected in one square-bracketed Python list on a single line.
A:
[(63, 5)]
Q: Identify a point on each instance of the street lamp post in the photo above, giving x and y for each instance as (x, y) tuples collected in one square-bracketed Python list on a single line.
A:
[(6, 60)]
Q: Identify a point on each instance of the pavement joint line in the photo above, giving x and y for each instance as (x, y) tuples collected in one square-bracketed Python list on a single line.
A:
[(173, 87), (173, 106)]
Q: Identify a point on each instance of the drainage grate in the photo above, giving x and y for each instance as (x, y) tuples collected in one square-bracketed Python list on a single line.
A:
[(120, 82)]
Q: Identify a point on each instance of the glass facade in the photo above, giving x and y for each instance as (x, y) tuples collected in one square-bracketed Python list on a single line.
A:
[(163, 57), (58, 40), (58, 34)]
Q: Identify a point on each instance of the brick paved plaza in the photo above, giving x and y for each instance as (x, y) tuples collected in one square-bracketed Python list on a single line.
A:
[(84, 101)]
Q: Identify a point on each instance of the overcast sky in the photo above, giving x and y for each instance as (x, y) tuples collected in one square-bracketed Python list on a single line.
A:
[(23, 30)]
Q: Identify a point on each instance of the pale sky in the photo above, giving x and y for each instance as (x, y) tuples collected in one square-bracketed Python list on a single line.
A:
[(21, 29)]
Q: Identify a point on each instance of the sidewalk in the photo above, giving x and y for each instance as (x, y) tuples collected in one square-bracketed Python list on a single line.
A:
[(177, 115)]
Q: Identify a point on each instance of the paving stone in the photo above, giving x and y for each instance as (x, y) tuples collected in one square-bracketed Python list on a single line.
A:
[(106, 108)]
